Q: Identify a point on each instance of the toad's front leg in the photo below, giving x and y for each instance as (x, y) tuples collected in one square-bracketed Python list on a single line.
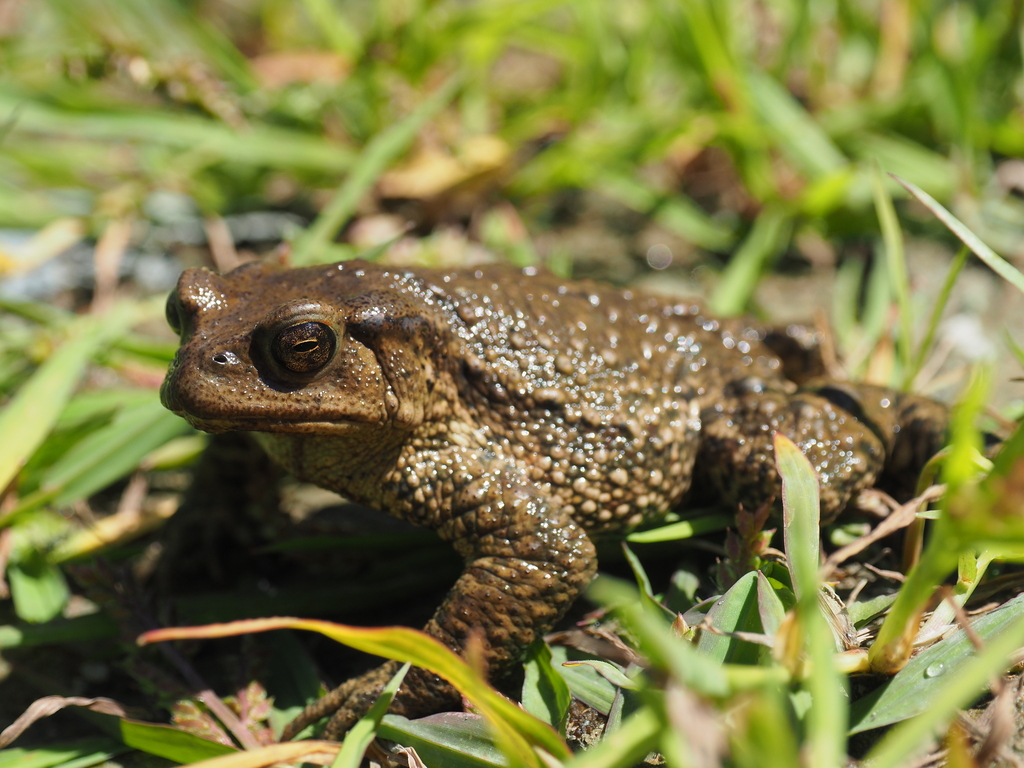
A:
[(526, 562)]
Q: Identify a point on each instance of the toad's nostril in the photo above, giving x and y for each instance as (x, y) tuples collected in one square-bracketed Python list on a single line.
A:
[(225, 358)]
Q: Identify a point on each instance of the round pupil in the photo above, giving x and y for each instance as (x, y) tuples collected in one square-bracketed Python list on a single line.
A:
[(305, 347)]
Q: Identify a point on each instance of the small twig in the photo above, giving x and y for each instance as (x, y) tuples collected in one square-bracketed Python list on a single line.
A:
[(107, 262), (206, 695), (855, 592), (202, 691), (221, 244), (891, 575), (901, 518), (49, 705)]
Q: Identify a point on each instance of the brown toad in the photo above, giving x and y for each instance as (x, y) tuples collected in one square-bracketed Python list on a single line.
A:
[(517, 415)]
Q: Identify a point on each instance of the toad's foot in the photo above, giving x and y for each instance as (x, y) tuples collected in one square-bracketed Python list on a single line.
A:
[(421, 693)]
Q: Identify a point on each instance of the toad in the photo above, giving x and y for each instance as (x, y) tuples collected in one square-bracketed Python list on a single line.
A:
[(519, 416)]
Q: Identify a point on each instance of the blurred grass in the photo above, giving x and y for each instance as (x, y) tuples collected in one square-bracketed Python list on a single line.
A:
[(738, 127), (802, 97)]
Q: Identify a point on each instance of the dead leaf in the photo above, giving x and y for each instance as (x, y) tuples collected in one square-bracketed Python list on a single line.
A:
[(49, 705), (432, 171), (409, 757)]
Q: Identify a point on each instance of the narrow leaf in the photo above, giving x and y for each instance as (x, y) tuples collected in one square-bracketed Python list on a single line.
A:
[(800, 505), (996, 263), (766, 239), (957, 690), (896, 262), (800, 515), (735, 611), (78, 754), (38, 589), (32, 412), (546, 695), (171, 743), (259, 144), (684, 529), (382, 150), (514, 729), (451, 739)]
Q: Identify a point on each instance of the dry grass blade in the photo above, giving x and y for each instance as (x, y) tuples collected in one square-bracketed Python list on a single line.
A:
[(698, 730), (49, 705), (107, 262), (901, 518), (997, 724), (132, 519), (316, 752)]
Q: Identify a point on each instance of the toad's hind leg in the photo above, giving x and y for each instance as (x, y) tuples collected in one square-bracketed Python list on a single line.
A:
[(527, 561), (912, 428), (854, 436)]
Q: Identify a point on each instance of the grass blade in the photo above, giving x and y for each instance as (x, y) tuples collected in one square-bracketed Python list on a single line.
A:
[(826, 719), (342, 36), (38, 589), (959, 261), (684, 529), (909, 159), (261, 145), (896, 262), (894, 642), (31, 413), (996, 263), (453, 739), (382, 150), (801, 137), (923, 680), (171, 743), (676, 213), (800, 515), (735, 611), (365, 730), (81, 754), (546, 695), (91, 627), (514, 729), (766, 239)]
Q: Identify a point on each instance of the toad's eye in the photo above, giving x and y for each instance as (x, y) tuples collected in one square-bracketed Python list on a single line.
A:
[(172, 311), (304, 348)]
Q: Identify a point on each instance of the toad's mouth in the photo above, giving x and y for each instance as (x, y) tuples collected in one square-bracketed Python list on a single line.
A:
[(333, 426), (210, 409)]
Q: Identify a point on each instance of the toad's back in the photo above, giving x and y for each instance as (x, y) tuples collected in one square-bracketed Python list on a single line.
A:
[(600, 389)]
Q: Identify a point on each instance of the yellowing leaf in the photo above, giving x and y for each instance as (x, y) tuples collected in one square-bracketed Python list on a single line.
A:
[(516, 732)]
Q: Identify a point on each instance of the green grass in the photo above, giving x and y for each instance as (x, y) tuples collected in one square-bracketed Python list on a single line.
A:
[(800, 109)]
